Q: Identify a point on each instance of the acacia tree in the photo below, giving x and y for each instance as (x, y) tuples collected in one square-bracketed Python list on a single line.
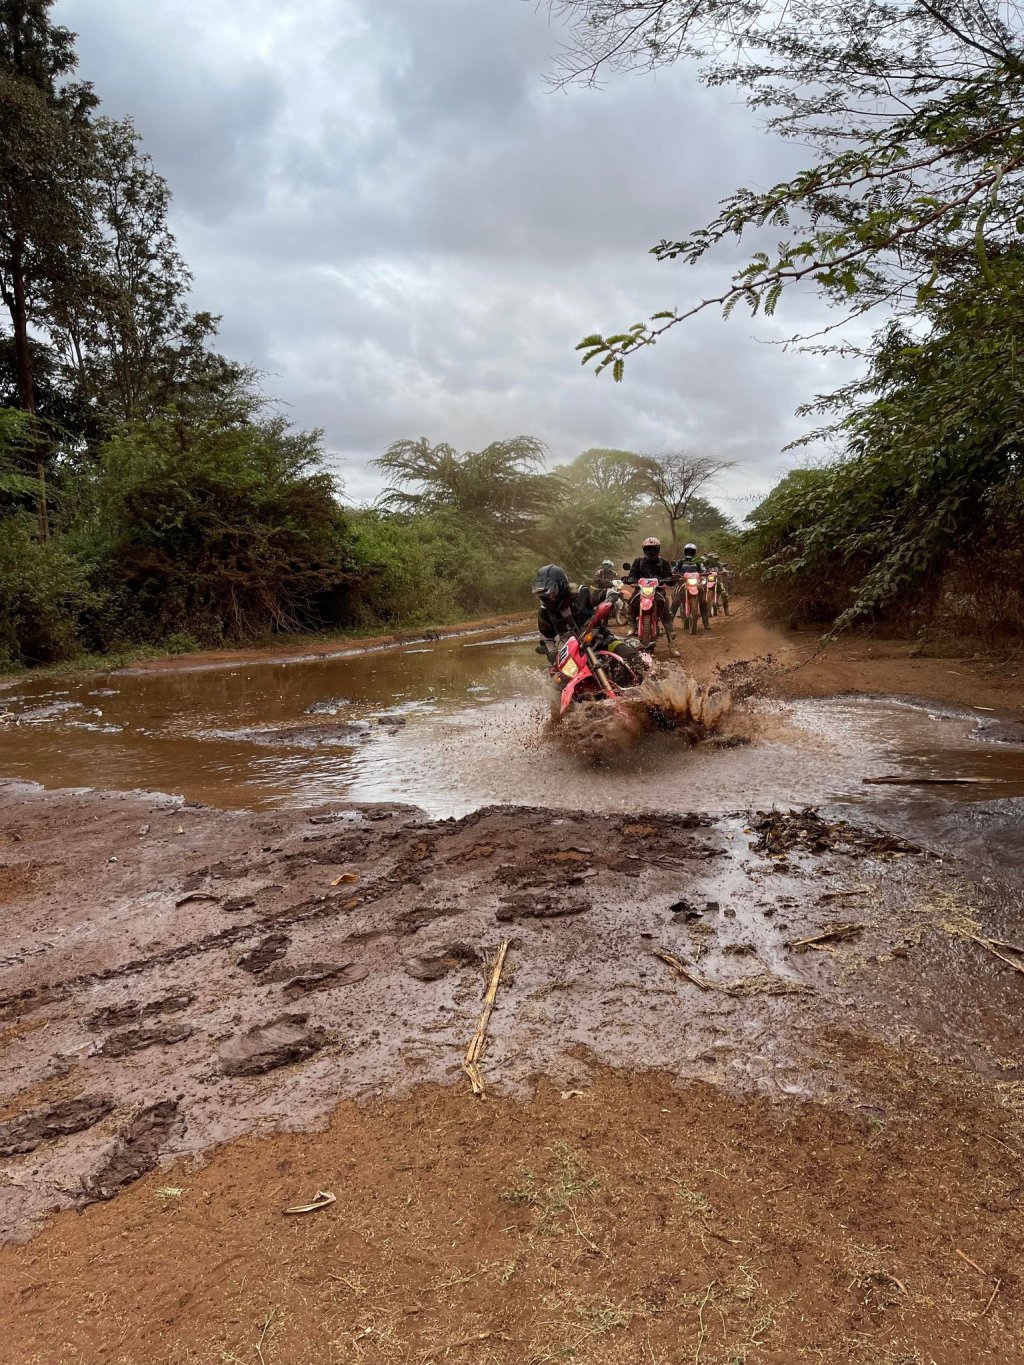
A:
[(611, 473), (914, 110), (673, 479), (504, 484)]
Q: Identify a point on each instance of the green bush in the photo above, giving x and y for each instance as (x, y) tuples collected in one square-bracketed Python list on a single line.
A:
[(43, 596), (210, 531), (431, 568), (923, 508)]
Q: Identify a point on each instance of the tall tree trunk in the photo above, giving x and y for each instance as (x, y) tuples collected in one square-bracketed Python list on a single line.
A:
[(26, 384)]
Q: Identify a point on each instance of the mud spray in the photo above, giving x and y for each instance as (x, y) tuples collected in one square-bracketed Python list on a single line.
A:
[(673, 701)]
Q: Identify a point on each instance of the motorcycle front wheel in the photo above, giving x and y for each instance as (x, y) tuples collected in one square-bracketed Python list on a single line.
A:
[(621, 674)]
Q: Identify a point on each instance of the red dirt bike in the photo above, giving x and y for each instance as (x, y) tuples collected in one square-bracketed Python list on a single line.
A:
[(711, 594), (619, 595), (648, 618), (585, 670), (692, 601)]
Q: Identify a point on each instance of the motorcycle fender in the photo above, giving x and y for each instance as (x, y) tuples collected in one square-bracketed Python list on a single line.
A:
[(569, 690)]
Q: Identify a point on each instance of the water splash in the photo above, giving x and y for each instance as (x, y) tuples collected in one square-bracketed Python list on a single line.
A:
[(672, 700)]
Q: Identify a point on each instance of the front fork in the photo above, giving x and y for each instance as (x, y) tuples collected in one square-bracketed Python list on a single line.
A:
[(598, 670)]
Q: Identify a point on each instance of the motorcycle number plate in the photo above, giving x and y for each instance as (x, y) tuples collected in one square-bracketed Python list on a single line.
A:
[(569, 669)]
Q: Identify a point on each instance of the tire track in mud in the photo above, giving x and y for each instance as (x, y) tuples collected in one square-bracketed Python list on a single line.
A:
[(321, 907), (591, 897)]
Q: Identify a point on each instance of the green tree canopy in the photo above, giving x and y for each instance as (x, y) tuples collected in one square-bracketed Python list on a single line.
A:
[(45, 145), (914, 114), (616, 473), (504, 485), (934, 469)]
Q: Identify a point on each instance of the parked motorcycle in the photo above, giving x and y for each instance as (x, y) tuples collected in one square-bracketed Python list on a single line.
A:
[(589, 667), (692, 601)]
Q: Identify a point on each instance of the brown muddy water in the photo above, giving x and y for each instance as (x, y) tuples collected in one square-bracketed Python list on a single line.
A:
[(459, 723)]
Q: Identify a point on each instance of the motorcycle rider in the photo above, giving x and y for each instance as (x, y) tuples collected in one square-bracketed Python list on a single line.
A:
[(560, 610), (651, 564), (714, 563), (604, 578), (691, 563)]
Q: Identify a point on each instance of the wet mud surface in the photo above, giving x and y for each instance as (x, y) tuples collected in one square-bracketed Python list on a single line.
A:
[(754, 1072), (176, 977)]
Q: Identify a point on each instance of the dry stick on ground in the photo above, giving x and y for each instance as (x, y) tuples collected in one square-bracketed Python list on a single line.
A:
[(992, 1299), (967, 1261), (703, 1332), (475, 1050), (990, 945), (263, 1335), (463, 1341), (1010, 947), (836, 931), (680, 966), (999, 1142), (761, 984)]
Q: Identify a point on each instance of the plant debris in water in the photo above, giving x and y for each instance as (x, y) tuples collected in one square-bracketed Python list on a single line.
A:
[(781, 832)]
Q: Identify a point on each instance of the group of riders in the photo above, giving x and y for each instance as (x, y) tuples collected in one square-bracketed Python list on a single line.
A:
[(563, 608)]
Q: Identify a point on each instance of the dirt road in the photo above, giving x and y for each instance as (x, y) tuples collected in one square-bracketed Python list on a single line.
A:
[(754, 1089)]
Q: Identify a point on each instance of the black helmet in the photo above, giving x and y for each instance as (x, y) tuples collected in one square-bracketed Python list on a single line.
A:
[(690, 551), (550, 583)]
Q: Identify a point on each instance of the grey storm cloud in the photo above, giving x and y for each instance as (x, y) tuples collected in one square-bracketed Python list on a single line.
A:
[(408, 229)]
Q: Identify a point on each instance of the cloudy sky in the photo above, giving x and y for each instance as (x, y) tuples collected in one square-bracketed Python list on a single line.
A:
[(408, 230)]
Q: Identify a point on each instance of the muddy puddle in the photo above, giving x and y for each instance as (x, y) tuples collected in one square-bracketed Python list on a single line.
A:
[(459, 723)]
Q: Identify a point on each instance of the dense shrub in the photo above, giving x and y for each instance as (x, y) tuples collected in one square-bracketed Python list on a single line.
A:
[(430, 568), (215, 531), (43, 596), (925, 502)]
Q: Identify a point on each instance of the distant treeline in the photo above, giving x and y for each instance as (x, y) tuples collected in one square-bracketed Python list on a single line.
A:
[(150, 496)]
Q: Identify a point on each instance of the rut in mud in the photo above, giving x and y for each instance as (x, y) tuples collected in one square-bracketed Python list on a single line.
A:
[(363, 942)]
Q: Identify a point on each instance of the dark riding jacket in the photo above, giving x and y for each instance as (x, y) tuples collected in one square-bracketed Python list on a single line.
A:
[(642, 567), (566, 614)]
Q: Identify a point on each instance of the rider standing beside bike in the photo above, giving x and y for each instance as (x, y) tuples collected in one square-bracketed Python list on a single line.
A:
[(650, 564)]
